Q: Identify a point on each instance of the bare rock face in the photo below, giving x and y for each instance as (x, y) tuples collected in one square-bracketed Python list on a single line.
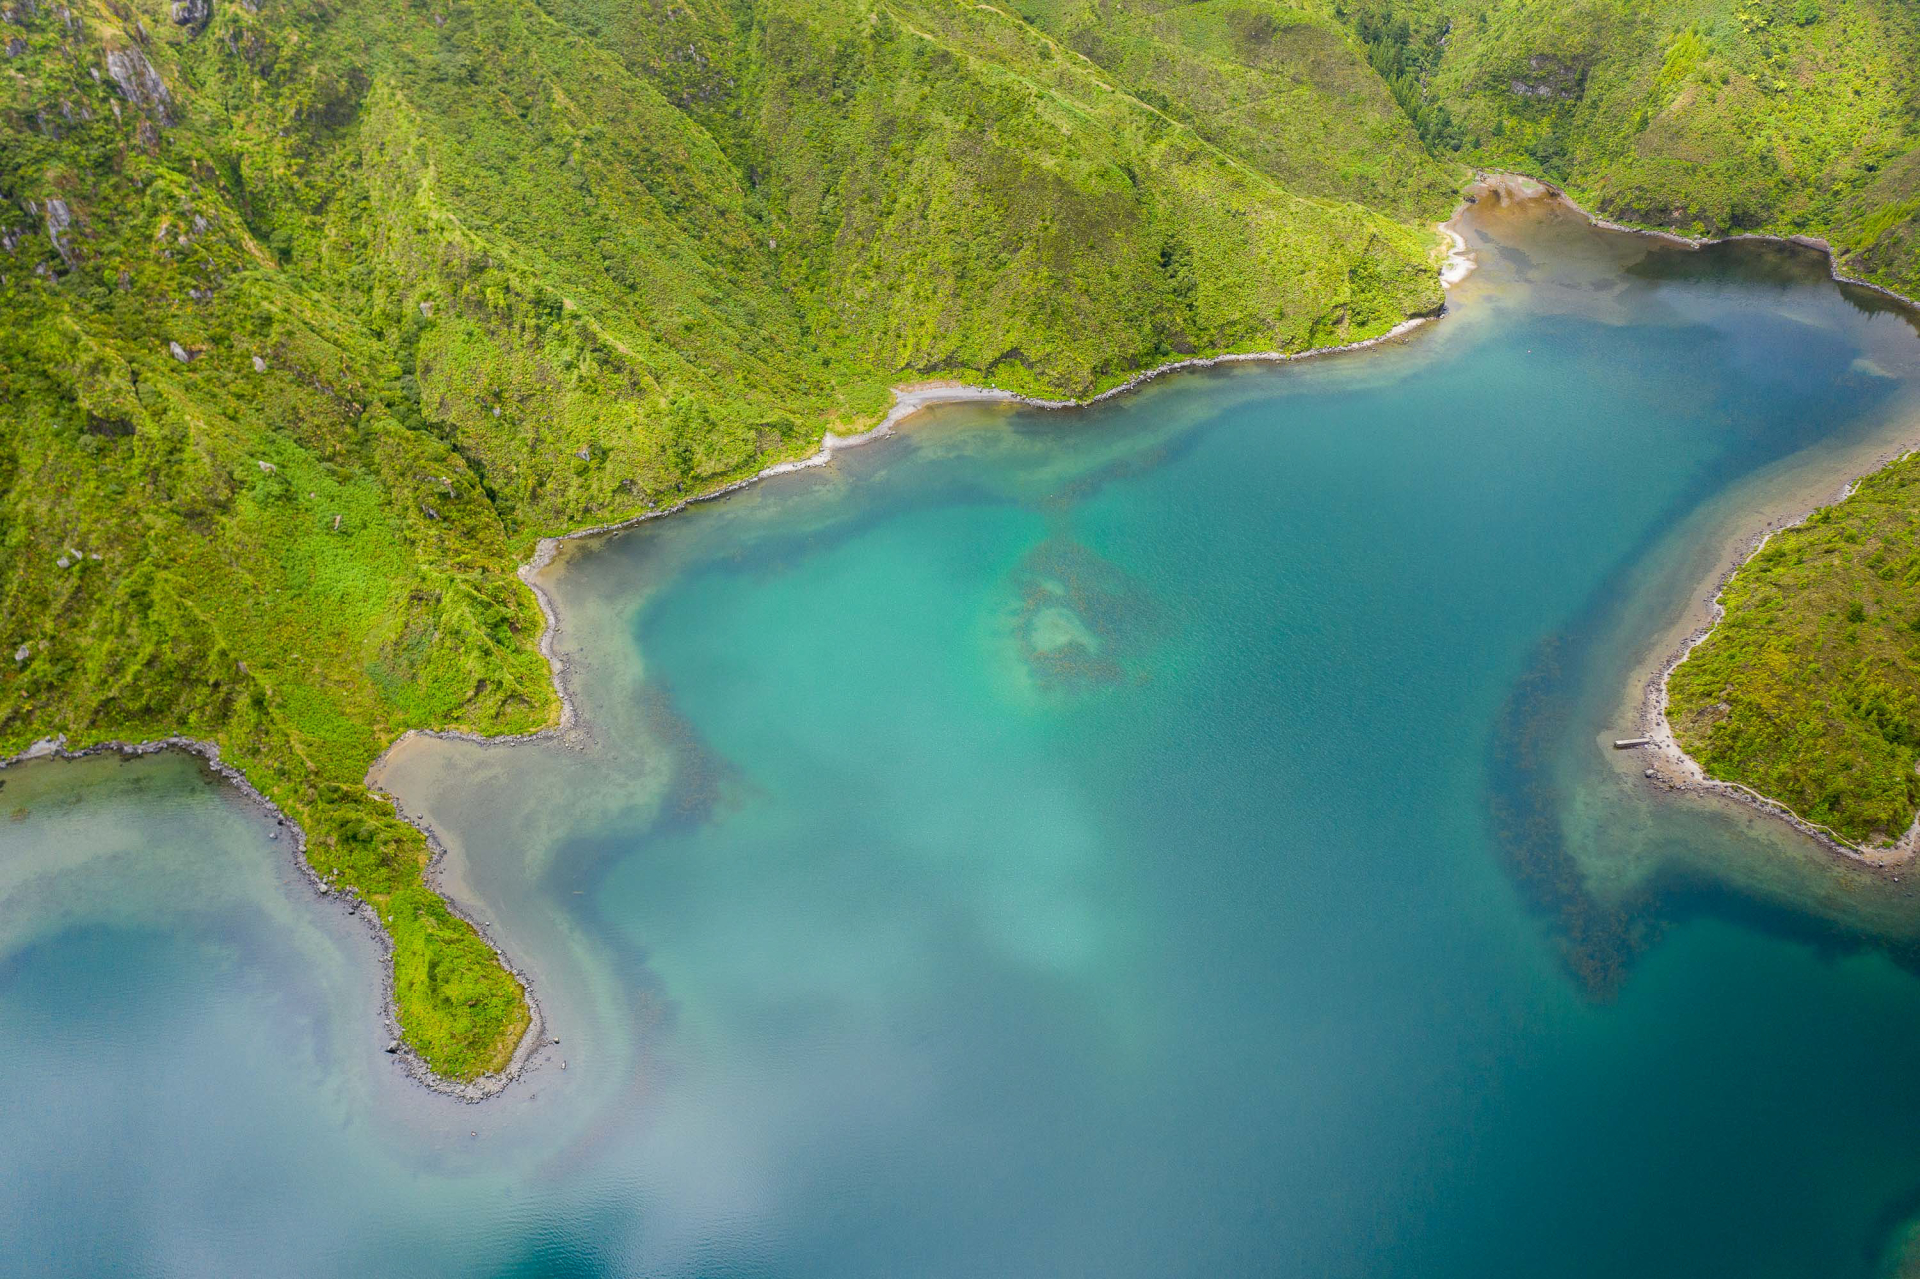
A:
[(139, 82), (59, 218), (1552, 77), (192, 14)]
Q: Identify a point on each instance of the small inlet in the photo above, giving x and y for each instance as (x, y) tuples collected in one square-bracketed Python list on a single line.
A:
[(1628, 743)]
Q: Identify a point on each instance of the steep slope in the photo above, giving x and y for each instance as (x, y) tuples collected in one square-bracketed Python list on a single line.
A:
[(320, 314), (1285, 89), (962, 196), (1705, 117)]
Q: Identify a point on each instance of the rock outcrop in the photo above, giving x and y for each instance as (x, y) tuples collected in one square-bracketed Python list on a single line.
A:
[(1550, 77), (59, 218), (192, 14), (139, 82)]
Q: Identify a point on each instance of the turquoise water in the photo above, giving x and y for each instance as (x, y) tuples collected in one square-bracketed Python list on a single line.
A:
[(1172, 838)]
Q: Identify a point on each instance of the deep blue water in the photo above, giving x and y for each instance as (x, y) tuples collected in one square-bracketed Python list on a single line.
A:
[(1167, 839)]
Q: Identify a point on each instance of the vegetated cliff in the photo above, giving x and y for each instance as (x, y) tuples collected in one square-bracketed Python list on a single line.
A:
[(321, 312), (1703, 117)]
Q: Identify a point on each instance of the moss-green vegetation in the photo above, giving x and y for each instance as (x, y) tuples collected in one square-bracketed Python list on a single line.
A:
[(318, 315), (1706, 117), (1285, 89), (1809, 689)]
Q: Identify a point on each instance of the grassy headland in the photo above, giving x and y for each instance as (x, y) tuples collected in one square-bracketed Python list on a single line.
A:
[(1808, 690)]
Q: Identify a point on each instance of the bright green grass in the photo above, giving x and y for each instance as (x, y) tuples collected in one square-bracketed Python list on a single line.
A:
[(1809, 689)]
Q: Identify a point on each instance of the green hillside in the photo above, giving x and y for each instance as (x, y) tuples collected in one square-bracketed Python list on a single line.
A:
[(1809, 689), (320, 314), (1706, 117), (1287, 90)]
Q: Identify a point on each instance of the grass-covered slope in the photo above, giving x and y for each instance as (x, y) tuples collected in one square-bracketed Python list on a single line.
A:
[(953, 193), (1287, 90), (1809, 689), (1706, 117), (318, 315)]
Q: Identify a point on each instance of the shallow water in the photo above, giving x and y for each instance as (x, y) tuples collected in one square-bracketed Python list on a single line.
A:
[(1173, 838)]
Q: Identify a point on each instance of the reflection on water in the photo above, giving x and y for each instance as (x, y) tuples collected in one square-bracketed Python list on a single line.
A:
[(1175, 838)]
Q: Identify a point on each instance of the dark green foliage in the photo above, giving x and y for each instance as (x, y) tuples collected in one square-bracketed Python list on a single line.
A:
[(1405, 51)]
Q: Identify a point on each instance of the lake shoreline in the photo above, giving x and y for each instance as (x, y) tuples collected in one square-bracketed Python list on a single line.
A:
[(1675, 770), (909, 400), (1817, 243), (416, 1068)]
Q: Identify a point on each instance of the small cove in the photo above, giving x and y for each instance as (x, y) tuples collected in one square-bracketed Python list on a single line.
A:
[(1172, 837)]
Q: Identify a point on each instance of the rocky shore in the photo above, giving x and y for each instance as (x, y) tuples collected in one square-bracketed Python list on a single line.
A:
[(1665, 763), (1668, 766)]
